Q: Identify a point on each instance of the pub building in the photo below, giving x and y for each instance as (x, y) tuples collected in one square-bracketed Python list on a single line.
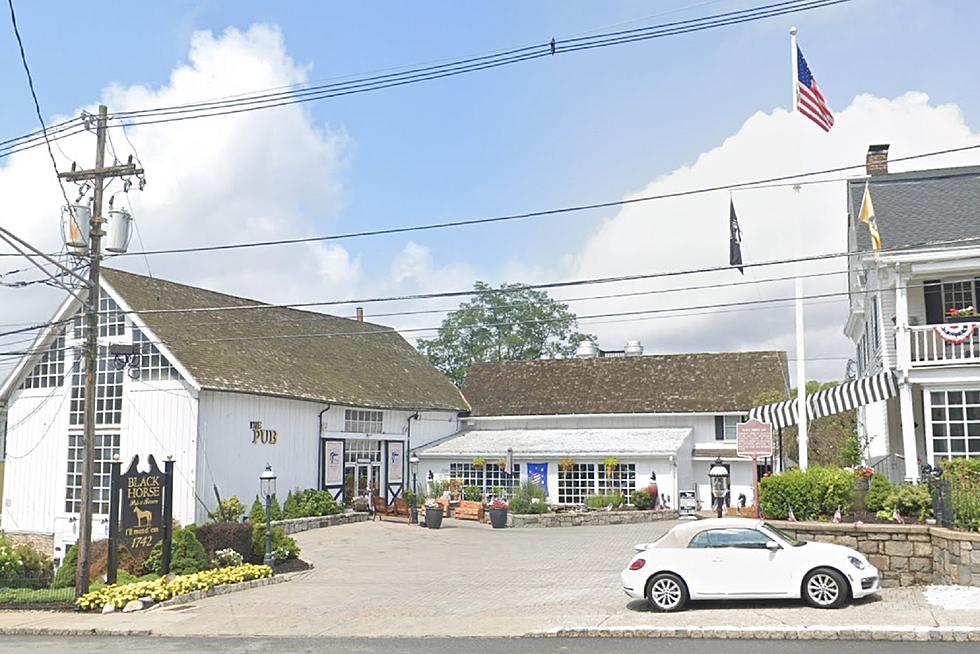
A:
[(331, 403)]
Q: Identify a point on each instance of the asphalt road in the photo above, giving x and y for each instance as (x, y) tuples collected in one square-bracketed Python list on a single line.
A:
[(136, 645)]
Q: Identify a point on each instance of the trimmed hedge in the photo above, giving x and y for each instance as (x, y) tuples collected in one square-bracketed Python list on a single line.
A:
[(878, 493), (226, 535), (816, 493)]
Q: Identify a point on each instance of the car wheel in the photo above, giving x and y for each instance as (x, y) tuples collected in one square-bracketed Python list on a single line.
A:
[(824, 588), (666, 592)]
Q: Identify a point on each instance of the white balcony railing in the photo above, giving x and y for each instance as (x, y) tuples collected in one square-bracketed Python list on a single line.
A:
[(929, 348)]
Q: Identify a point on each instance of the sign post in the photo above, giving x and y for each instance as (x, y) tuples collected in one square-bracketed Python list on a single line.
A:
[(754, 440), (141, 511)]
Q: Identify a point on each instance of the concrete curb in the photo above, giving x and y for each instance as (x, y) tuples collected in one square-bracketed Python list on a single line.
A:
[(53, 631), (856, 632)]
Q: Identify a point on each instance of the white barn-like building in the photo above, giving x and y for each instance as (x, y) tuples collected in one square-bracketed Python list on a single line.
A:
[(330, 403)]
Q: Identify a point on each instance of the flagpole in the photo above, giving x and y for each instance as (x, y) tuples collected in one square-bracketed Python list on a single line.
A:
[(800, 340)]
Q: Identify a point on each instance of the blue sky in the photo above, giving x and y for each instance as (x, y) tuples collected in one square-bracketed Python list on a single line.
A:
[(572, 129)]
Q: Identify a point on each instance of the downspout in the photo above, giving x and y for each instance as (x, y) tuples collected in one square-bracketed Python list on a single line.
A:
[(319, 441), (408, 445)]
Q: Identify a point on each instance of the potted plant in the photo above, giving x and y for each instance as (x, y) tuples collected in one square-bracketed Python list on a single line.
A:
[(433, 514), (966, 314), (413, 507), (502, 464), (566, 464), (479, 463), (498, 513)]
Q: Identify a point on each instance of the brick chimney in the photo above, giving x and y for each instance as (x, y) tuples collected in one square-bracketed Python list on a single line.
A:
[(360, 314), (877, 159)]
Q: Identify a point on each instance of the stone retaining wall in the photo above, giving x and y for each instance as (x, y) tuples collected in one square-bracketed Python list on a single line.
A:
[(40, 542), (581, 518), (296, 525), (905, 555)]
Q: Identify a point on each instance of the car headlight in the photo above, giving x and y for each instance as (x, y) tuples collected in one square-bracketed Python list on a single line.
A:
[(856, 562)]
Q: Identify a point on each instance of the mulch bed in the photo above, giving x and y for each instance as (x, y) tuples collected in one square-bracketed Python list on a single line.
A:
[(291, 565)]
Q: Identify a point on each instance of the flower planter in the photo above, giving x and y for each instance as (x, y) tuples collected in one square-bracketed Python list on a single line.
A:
[(954, 319), (498, 518), (433, 517)]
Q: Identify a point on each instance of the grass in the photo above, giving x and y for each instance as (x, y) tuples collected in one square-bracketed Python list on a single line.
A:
[(39, 596)]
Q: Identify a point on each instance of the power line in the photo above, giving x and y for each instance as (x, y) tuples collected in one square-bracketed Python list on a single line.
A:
[(266, 100), (740, 186)]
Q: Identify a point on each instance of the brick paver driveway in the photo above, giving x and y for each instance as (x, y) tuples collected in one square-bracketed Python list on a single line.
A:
[(388, 579)]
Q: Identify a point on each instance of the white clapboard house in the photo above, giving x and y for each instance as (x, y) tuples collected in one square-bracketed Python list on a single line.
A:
[(667, 415), (329, 402)]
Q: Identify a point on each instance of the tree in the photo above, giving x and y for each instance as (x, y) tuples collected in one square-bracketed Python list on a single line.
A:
[(508, 323)]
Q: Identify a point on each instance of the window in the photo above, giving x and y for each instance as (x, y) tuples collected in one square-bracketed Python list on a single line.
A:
[(106, 446), (957, 295), (725, 427), (362, 451), (108, 393), (153, 365), (50, 369), (575, 484), (112, 321), (955, 424), (747, 539), (360, 421), (490, 477), (623, 480), (942, 296)]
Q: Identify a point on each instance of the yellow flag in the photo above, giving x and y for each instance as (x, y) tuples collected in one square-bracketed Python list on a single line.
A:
[(867, 216)]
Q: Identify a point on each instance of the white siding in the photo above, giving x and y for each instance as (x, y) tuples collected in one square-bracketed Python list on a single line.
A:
[(37, 447)]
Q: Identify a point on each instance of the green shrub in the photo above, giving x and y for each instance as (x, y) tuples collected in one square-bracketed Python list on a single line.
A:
[(10, 564), (850, 454), (257, 513), (812, 494), (187, 555), (878, 493), (22, 566), (911, 500), (642, 500), (279, 540), (229, 510), (64, 577), (226, 535), (964, 484), (473, 494), (529, 498), (290, 508), (317, 503), (604, 501)]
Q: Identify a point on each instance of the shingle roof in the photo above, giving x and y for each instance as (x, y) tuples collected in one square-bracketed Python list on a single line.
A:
[(673, 383), (357, 366), (919, 207), (658, 441)]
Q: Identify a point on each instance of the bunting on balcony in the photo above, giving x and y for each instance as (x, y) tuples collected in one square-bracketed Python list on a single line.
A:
[(956, 333), (850, 395)]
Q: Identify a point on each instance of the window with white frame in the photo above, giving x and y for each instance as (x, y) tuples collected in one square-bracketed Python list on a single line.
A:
[(955, 420), (106, 446), (727, 429), (487, 478), (108, 393), (958, 295), (153, 365), (622, 479), (362, 421), (112, 321), (576, 483), (50, 369), (362, 451)]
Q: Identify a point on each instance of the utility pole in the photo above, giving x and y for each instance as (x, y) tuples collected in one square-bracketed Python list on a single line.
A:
[(97, 175)]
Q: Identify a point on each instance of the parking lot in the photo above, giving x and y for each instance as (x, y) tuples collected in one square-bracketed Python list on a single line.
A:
[(389, 579)]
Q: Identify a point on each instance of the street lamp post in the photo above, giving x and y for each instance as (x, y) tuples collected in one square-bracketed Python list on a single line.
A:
[(267, 486), (413, 461), (719, 483)]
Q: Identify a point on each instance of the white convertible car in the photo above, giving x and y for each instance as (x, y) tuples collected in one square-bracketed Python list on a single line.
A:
[(740, 558)]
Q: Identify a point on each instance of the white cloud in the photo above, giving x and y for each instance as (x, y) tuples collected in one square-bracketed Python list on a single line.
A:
[(692, 232)]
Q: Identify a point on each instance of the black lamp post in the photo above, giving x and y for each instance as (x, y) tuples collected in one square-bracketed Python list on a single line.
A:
[(413, 462), (267, 486), (719, 483)]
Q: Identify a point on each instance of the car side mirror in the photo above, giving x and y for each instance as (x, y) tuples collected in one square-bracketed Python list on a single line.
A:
[(772, 546)]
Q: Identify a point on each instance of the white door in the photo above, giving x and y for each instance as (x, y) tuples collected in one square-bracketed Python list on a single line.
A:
[(741, 563)]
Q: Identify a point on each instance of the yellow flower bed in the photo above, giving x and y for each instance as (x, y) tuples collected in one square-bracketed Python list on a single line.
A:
[(164, 589)]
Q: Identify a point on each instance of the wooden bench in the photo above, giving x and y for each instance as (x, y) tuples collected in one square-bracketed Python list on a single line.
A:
[(469, 511), (399, 509)]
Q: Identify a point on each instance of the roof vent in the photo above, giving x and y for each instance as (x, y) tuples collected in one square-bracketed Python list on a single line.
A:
[(586, 350), (876, 162), (633, 349)]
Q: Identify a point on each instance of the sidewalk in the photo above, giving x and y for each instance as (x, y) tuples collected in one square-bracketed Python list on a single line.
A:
[(391, 580)]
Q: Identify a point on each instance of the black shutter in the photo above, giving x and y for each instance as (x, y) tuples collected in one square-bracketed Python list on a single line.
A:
[(719, 428), (933, 292)]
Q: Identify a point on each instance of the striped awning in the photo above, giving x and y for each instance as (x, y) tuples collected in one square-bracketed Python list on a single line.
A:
[(829, 401)]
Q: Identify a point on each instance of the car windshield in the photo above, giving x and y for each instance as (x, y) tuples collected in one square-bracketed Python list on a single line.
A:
[(792, 542)]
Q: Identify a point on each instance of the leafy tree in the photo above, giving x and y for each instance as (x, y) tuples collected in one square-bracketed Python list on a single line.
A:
[(508, 323)]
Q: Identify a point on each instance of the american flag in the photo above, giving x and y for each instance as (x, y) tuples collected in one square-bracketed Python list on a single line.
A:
[(809, 99)]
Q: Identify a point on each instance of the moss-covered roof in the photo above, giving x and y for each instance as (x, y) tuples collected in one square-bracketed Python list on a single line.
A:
[(672, 383), (285, 352)]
